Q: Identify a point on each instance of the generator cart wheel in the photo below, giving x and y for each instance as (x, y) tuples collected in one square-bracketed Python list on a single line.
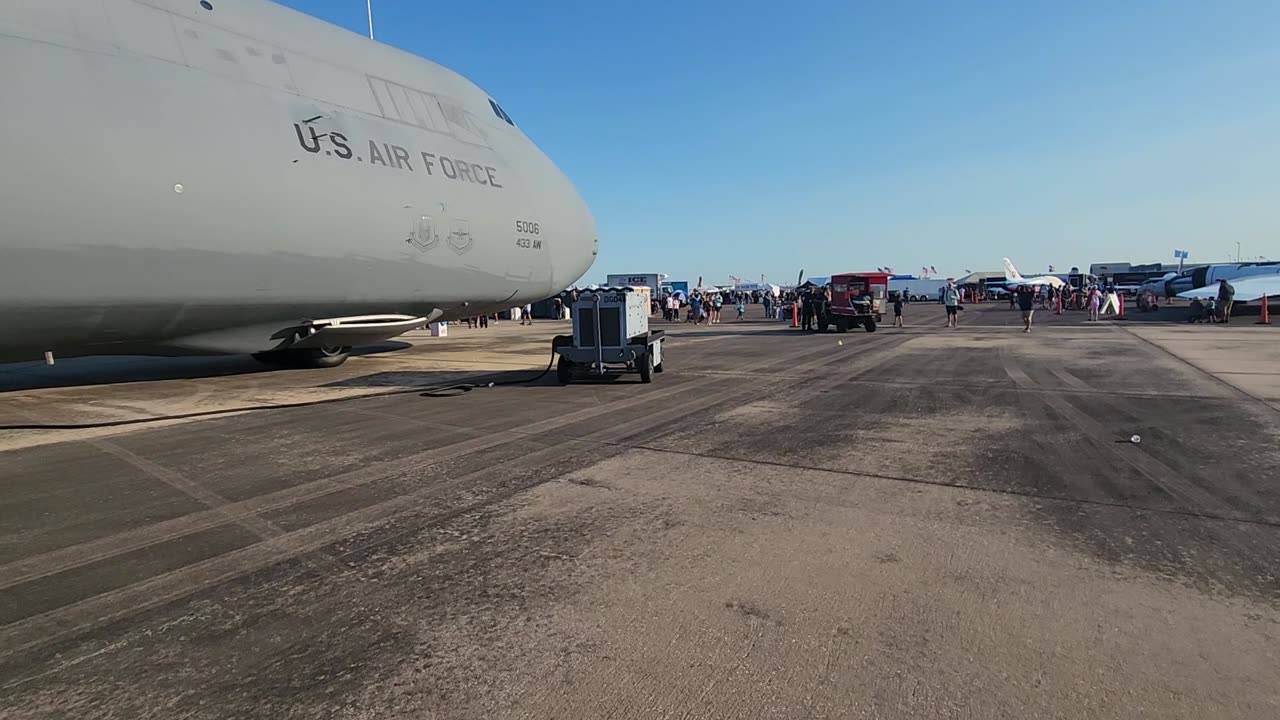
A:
[(646, 367), (870, 325), (564, 370), (657, 368)]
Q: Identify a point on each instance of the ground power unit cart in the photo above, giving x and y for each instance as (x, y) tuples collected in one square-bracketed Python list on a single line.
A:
[(611, 335)]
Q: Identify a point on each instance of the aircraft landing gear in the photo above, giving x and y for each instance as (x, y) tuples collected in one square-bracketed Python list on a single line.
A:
[(323, 357)]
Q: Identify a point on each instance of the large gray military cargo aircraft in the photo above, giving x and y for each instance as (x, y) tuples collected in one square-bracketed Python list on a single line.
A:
[(232, 176)]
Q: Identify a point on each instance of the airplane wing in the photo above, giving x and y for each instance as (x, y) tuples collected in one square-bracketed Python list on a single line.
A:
[(1249, 288)]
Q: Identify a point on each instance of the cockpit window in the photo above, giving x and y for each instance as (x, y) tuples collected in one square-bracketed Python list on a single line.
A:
[(502, 114)]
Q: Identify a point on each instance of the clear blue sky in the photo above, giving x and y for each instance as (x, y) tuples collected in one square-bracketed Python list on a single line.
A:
[(753, 137)]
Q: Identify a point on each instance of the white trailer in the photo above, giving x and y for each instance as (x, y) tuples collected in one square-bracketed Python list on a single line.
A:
[(918, 289), (769, 288), (649, 280)]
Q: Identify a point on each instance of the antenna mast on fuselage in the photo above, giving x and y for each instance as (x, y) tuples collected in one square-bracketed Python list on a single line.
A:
[(368, 5)]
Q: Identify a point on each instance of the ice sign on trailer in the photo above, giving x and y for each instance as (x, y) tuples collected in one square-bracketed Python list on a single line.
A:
[(649, 280)]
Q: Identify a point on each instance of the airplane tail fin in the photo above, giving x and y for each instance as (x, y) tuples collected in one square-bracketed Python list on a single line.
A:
[(1010, 272)]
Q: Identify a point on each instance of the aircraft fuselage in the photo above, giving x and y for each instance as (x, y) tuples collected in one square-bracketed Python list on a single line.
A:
[(186, 179)]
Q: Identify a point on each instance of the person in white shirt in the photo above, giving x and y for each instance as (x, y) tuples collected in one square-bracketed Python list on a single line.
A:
[(951, 299)]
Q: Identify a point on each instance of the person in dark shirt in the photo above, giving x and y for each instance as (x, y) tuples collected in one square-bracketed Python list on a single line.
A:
[(1196, 313), (1226, 298), (898, 300), (1026, 302)]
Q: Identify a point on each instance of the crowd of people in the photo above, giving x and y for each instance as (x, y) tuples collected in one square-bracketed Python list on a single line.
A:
[(1102, 300), (708, 306)]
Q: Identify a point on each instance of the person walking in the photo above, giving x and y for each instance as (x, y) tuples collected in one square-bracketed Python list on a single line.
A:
[(898, 301), (951, 300), (1226, 298), (1026, 303)]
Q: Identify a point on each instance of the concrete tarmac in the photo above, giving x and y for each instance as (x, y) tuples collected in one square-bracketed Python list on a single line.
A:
[(915, 523)]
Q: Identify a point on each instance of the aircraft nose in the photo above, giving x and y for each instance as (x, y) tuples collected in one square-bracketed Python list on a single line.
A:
[(573, 246), (579, 248)]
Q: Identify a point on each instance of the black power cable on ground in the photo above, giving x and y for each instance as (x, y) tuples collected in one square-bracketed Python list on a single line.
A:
[(423, 390)]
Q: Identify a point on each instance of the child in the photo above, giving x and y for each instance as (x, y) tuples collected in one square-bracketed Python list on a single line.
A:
[(742, 310)]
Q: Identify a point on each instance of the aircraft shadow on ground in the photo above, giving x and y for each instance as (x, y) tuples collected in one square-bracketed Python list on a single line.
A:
[(116, 369), (432, 379), (714, 330)]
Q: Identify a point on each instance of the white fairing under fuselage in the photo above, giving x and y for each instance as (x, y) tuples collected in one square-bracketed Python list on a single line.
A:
[(183, 176), (1209, 275)]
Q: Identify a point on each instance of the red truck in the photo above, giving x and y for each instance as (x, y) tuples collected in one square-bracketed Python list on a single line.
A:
[(856, 299)]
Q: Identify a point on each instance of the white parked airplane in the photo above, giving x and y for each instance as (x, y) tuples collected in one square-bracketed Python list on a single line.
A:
[(232, 176), (1247, 289), (1209, 275), (1012, 278), (1157, 286)]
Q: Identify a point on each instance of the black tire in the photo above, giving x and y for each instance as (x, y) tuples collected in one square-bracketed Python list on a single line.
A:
[(658, 368), (824, 324), (870, 325), (842, 325), (325, 357), (646, 368), (564, 370), (318, 358)]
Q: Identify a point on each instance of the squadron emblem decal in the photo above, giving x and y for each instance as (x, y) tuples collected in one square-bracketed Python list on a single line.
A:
[(423, 234), (460, 237)]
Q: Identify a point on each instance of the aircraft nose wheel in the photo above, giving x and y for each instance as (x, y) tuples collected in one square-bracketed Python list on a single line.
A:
[(326, 357), (323, 357)]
